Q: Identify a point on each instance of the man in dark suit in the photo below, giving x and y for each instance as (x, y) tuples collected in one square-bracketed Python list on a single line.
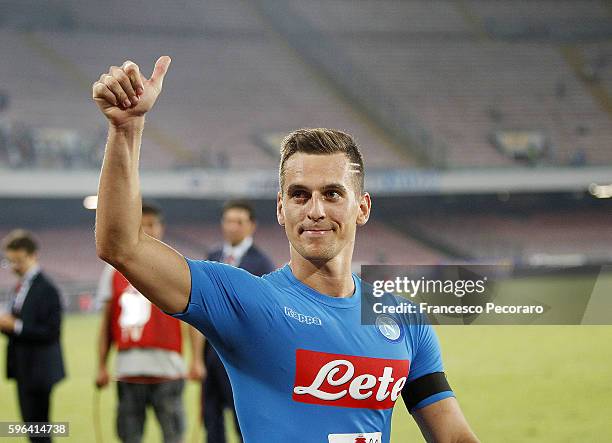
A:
[(34, 355), (238, 226)]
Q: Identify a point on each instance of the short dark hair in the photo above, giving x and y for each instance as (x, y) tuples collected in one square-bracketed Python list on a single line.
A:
[(20, 239), (151, 208), (239, 204), (322, 141)]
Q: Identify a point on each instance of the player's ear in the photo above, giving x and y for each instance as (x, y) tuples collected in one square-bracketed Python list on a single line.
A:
[(365, 206), (280, 215)]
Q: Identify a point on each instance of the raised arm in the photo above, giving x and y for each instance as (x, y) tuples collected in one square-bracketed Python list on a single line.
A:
[(159, 272)]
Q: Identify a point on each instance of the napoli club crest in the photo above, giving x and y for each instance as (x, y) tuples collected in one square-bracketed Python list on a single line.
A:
[(389, 328)]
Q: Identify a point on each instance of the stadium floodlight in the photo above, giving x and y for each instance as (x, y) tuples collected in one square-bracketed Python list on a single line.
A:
[(90, 202), (600, 191)]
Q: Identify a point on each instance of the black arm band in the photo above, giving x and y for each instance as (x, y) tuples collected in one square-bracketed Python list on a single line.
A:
[(423, 387)]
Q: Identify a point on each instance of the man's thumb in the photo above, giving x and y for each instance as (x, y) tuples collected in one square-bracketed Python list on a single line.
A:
[(160, 69)]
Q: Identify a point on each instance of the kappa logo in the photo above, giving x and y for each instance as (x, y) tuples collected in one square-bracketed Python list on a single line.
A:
[(307, 319)]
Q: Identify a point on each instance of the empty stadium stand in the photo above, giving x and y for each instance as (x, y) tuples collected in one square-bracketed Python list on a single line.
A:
[(454, 82), (234, 87), (410, 79), (521, 236)]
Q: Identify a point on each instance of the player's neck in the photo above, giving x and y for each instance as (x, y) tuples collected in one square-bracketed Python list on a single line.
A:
[(331, 278)]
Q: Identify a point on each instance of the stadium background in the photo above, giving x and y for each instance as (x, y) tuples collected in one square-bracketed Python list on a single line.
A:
[(486, 128)]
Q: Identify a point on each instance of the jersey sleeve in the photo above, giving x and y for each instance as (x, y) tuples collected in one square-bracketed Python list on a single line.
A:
[(225, 304), (426, 359)]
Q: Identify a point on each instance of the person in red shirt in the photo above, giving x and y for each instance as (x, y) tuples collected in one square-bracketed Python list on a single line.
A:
[(150, 369)]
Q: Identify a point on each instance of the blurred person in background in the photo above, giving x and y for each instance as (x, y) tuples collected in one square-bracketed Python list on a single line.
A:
[(150, 369), (238, 225), (34, 354)]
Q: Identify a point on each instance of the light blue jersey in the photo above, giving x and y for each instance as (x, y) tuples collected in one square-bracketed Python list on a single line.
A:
[(302, 366)]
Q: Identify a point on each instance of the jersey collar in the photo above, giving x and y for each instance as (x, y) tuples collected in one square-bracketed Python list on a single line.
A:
[(337, 302)]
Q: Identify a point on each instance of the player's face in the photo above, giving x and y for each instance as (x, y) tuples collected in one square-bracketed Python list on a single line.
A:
[(152, 225), (236, 225), (320, 207), (20, 260)]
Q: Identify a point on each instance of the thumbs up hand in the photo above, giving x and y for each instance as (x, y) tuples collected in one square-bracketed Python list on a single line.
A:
[(124, 94)]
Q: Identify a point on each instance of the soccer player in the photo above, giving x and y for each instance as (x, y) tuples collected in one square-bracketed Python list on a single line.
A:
[(302, 366)]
